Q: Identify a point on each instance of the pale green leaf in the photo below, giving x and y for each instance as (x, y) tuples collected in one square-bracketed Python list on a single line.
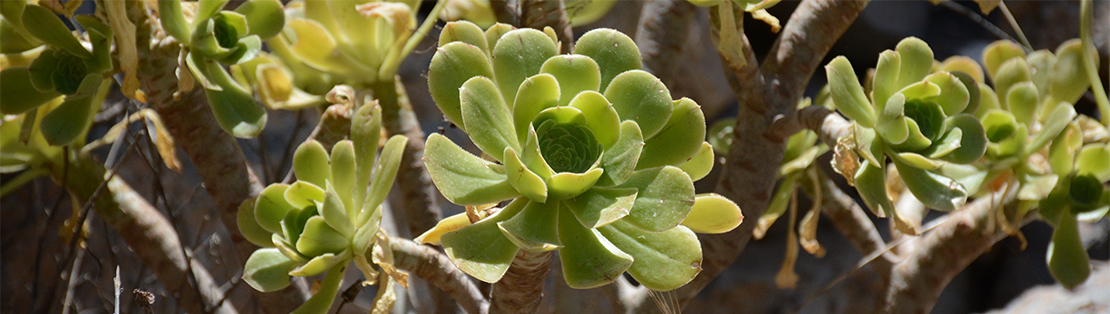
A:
[(614, 52), (590, 260), (481, 249), (663, 261), (665, 197), (488, 117), (641, 97), (463, 178)]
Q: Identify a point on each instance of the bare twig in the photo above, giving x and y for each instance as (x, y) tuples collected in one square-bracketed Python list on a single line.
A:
[(427, 263), (149, 235), (521, 289)]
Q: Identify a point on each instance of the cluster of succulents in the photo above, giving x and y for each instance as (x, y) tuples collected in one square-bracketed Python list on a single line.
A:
[(1033, 116), (327, 43), (66, 76), (919, 117), (951, 136), (597, 158), (215, 38), (330, 216)]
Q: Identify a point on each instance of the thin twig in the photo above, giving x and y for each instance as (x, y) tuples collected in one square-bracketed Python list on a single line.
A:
[(431, 265)]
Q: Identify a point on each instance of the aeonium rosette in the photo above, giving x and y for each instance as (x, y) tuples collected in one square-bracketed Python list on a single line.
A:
[(599, 158), (329, 217), (919, 117)]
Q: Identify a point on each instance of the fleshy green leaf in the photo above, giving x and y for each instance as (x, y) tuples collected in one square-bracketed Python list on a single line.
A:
[(1093, 159), (917, 60), (575, 73), (487, 115), (335, 214), (614, 52), (1069, 78), (1012, 72), (495, 32), (318, 238), (271, 206), (641, 97), (235, 109), (883, 84), (523, 179), (600, 206), (518, 55), (620, 160), (998, 53), (249, 227), (1067, 258), (1055, 124), (72, 118), (18, 92), (317, 265), (384, 174), (663, 260), (481, 249), (871, 183), (464, 31), (452, 66), (665, 197), (534, 228), (267, 270), (847, 93), (699, 165), (46, 26), (679, 139), (602, 119), (463, 178), (173, 20), (311, 163), (953, 96), (265, 18), (343, 173), (933, 190), (321, 301), (1022, 99), (972, 142), (591, 260), (566, 185), (366, 132), (713, 213), (535, 94), (302, 194)]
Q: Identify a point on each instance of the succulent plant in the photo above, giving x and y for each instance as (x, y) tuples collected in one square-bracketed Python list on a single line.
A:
[(920, 118), (1030, 109), (330, 216), (66, 68), (597, 157), (217, 37), (326, 43)]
